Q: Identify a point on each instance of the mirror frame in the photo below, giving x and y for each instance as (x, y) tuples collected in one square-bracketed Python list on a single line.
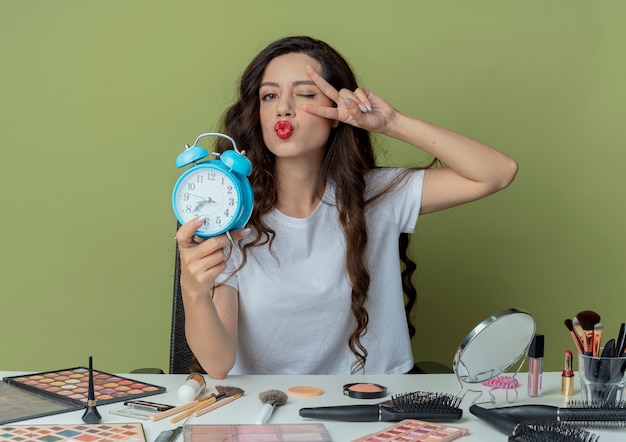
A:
[(499, 366)]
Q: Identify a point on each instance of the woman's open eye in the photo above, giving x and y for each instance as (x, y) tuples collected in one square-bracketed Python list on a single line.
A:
[(268, 96)]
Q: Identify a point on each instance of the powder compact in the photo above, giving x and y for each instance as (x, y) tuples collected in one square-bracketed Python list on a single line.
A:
[(362, 390)]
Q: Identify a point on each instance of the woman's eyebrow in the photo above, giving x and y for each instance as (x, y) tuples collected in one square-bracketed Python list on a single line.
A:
[(295, 83), (269, 84), (304, 82)]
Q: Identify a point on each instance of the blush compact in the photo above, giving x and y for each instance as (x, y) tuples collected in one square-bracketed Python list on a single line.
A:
[(361, 390)]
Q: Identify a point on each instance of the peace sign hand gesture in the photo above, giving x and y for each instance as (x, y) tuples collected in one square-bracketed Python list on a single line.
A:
[(361, 108)]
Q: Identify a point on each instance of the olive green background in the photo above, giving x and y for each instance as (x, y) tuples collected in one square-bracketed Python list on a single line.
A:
[(98, 97)]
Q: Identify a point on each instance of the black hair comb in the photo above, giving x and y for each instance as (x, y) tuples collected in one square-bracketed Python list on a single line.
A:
[(417, 405)]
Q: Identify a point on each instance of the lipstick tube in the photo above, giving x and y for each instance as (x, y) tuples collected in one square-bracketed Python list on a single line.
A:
[(567, 377), (535, 366)]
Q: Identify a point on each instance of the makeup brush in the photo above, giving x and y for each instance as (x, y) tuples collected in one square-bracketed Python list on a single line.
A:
[(181, 408), (597, 339), (217, 404), (91, 415), (223, 392), (226, 391), (577, 328), (570, 326), (270, 399), (620, 344), (419, 405), (588, 319), (604, 370)]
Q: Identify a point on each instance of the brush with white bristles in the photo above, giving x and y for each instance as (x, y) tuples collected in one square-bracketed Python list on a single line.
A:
[(271, 399)]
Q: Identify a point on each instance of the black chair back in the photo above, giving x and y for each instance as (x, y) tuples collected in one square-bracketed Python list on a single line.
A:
[(180, 353)]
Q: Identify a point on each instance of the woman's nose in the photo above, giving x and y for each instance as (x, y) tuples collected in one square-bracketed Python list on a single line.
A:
[(285, 107)]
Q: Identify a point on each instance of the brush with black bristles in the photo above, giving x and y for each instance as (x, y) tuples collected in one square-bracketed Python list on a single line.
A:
[(419, 405), (529, 430), (226, 391), (572, 331), (600, 415), (270, 399), (551, 432), (588, 320)]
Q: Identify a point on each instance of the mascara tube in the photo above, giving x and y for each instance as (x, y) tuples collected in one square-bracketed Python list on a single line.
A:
[(567, 377), (535, 366)]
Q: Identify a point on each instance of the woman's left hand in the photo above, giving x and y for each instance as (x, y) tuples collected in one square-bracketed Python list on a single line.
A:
[(361, 107)]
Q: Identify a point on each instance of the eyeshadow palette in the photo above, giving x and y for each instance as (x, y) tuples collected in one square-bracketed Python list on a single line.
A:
[(80, 433), (412, 430), (70, 386), (256, 433), (17, 404)]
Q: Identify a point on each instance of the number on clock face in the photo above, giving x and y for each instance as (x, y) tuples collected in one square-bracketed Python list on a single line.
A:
[(209, 193)]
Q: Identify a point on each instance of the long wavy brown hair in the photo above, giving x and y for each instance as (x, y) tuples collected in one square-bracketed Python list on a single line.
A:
[(348, 156)]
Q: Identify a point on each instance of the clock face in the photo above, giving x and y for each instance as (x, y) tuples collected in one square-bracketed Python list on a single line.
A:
[(209, 192)]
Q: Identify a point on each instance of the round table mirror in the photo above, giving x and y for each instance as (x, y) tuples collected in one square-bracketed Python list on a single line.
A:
[(493, 346)]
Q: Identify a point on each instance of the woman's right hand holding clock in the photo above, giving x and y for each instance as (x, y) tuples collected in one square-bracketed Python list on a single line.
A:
[(202, 259)]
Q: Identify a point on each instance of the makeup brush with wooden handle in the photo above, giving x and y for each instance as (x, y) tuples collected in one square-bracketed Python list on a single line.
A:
[(570, 326), (588, 319)]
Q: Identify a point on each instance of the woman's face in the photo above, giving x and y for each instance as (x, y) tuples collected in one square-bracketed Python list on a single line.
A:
[(288, 131)]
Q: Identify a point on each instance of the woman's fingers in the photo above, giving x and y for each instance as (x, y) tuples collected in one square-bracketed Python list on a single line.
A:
[(324, 86), (350, 104), (362, 100), (358, 96), (186, 235)]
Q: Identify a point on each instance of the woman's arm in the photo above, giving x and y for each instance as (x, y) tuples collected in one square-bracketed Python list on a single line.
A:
[(210, 312), (211, 329), (472, 169)]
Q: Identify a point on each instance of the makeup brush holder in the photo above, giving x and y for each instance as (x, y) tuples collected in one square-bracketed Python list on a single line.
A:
[(602, 380)]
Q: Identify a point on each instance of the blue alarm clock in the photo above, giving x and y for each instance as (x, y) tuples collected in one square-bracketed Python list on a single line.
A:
[(216, 189)]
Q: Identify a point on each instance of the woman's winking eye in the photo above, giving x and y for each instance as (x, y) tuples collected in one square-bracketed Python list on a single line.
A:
[(307, 95), (272, 95)]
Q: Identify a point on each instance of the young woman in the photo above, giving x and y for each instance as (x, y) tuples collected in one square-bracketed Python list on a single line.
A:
[(314, 285)]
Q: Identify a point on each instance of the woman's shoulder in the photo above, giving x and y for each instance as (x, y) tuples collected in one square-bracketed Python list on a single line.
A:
[(382, 173), (380, 178)]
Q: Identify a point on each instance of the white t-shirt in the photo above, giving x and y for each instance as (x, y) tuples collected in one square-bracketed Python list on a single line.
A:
[(294, 302)]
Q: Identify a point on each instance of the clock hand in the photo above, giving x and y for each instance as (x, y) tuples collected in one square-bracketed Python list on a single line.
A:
[(196, 196), (199, 204)]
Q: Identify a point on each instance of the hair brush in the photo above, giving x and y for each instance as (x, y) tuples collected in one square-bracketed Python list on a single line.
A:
[(417, 405), (531, 430), (551, 432), (578, 413)]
